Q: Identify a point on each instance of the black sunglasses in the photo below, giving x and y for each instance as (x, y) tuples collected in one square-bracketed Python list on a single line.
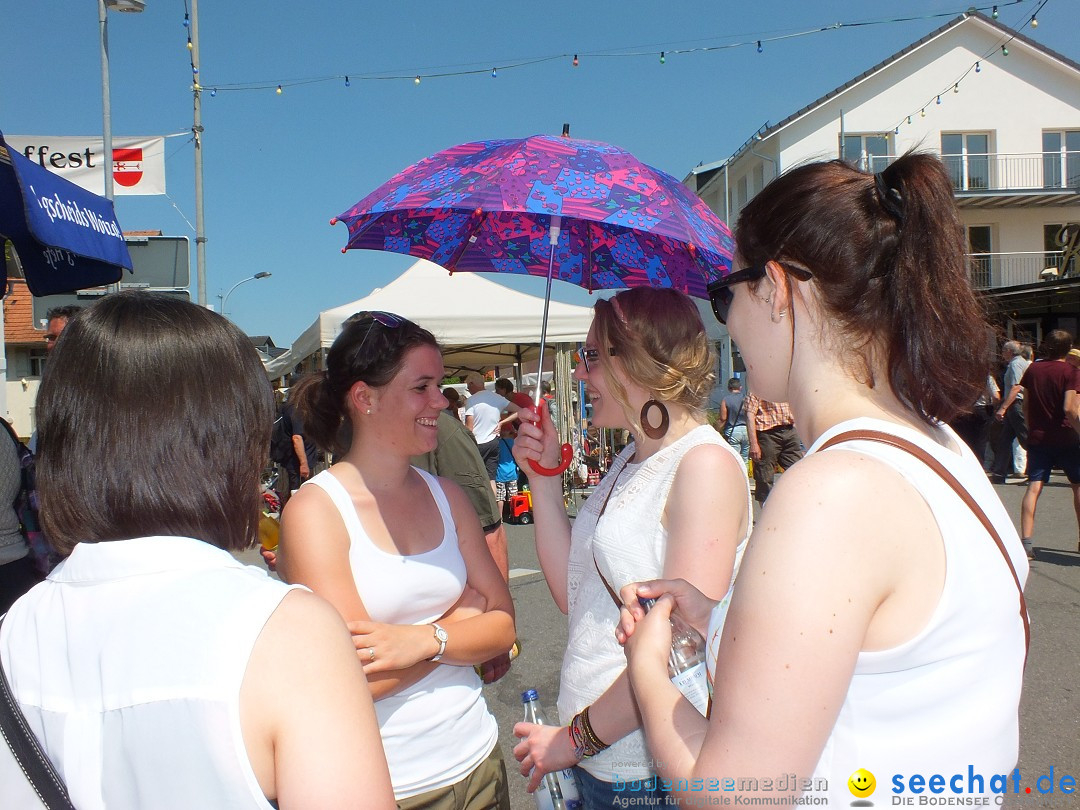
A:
[(721, 295), (385, 319), (588, 356)]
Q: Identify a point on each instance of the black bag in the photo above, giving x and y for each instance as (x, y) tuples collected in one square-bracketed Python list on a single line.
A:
[(281, 445)]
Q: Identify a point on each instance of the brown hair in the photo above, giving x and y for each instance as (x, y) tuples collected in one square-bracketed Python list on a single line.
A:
[(661, 344), (366, 350), (887, 253), (154, 417)]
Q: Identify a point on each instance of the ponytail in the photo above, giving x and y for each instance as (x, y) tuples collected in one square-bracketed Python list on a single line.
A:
[(320, 411), (887, 254)]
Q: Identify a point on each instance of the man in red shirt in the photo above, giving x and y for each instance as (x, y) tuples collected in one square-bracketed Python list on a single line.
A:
[(1052, 411)]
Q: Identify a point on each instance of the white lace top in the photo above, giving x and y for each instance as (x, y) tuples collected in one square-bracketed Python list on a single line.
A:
[(629, 544)]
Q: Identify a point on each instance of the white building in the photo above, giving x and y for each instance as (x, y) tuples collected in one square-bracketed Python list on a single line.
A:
[(1004, 114)]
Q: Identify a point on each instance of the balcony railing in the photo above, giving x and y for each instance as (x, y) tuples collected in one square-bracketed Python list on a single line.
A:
[(998, 172), (992, 270)]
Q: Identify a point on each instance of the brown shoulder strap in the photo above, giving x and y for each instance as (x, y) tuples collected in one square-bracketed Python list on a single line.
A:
[(965, 496)]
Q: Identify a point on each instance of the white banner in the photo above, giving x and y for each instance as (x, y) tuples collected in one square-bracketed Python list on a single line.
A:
[(138, 163)]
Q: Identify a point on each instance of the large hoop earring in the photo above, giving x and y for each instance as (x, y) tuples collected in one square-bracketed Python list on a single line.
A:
[(660, 430)]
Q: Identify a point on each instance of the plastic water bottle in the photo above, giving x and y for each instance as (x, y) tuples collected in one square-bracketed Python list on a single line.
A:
[(686, 661), (557, 791)]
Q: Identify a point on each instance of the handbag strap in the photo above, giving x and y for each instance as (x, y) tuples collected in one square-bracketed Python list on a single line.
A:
[(939, 468), (37, 768)]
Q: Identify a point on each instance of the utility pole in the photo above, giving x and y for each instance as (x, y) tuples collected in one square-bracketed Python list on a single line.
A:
[(197, 131)]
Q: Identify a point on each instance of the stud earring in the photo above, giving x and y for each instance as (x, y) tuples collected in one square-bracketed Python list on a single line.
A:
[(368, 412)]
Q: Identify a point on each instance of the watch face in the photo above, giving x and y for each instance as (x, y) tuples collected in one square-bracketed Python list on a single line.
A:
[(441, 635)]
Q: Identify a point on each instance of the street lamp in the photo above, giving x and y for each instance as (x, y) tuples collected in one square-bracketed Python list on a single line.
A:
[(131, 6), (225, 298)]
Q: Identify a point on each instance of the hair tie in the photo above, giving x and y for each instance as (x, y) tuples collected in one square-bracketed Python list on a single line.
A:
[(890, 198)]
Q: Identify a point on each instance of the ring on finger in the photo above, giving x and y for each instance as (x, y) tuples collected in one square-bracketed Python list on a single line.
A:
[(371, 653)]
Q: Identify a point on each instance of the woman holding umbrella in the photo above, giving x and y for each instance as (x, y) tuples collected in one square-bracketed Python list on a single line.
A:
[(401, 555), (878, 628), (675, 502)]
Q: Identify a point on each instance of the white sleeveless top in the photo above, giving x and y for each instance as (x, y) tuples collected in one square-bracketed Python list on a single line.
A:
[(947, 699), (437, 731), (629, 544), (127, 662)]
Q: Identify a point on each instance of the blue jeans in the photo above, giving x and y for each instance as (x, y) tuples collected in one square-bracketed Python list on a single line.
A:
[(739, 439), (597, 794)]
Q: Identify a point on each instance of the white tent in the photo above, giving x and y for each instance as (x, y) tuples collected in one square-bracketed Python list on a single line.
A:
[(482, 323)]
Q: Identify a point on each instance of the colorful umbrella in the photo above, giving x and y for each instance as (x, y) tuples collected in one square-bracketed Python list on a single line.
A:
[(580, 211)]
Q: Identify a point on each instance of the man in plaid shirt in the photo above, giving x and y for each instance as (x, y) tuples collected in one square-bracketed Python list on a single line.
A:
[(773, 441)]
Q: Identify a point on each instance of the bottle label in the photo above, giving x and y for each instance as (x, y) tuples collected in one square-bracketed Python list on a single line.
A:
[(694, 685)]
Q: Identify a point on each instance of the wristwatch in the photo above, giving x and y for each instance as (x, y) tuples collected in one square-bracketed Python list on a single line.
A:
[(441, 637)]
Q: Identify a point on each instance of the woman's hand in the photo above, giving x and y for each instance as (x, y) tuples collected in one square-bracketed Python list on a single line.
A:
[(537, 440), (692, 605), (648, 645), (395, 646), (542, 750)]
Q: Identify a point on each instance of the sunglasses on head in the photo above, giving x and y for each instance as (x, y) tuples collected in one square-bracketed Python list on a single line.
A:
[(386, 319), (721, 295), (589, 356)]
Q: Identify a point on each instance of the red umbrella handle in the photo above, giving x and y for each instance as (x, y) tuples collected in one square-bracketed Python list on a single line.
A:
[(566, 453)]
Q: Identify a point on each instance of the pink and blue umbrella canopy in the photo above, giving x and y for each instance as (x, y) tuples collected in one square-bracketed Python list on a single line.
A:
[(487, 207)]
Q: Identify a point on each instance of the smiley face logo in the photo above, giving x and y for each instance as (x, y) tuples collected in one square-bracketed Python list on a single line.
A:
[(861, 783)]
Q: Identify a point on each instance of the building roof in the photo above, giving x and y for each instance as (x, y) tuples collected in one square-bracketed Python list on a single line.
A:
[(1012, 34), (19, 327)]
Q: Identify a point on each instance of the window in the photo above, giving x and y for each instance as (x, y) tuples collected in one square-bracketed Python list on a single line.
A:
[(867, 152), (759, 177), (1061, 159), (980, 246), (743, 195), (37, 362), (967, 158)]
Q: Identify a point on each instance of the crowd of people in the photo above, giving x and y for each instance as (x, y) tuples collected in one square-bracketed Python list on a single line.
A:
[(156, 671)]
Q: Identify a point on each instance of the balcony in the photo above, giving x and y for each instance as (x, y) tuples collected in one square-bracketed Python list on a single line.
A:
[(995, 270), (991, 180)]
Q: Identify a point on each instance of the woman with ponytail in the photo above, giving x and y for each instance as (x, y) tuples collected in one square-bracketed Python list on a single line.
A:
[(401, 555), (675, 502), (878, 628)]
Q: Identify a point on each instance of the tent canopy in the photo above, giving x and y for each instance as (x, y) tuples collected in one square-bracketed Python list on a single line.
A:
[(481, 323)]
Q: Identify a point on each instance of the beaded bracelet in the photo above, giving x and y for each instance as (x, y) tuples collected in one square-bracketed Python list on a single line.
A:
[(582, 737)]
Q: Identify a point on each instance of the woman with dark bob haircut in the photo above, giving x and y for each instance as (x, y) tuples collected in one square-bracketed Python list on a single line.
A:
[(877, 629), (153, 668), (401, 555)]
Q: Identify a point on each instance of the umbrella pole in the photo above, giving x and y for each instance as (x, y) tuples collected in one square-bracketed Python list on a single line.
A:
[(553, 239)]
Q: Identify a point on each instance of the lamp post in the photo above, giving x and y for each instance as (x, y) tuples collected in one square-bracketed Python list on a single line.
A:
[(131, 6), (225, 298)]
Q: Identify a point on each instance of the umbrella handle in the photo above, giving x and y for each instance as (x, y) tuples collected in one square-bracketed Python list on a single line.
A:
[(566, 452), (567, 456)]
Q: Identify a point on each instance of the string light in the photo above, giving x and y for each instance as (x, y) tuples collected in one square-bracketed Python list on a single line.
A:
[(1034, 22), (347, 82), (939, 100), (662, 59), (494, 74), (213, 93), (956, 87), (575, 62), (189, 45), (278, 91), (922, 113), (195, 70), (909, 119), (187, 21), (759, 48), (994, 13), (1004, 50), (896, 131), (416, 80), (978, 67)]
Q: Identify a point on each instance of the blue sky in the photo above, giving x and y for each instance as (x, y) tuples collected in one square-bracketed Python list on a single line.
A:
[(278, 167)]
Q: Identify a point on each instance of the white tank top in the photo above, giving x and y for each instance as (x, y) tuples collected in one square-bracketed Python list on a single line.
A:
[(948, 698), (437, 731), (127, 663)]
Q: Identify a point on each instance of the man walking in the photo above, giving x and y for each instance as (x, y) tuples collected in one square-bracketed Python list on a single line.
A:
[(484, 417), (1010, 450), (772, 441), (1052, 408)]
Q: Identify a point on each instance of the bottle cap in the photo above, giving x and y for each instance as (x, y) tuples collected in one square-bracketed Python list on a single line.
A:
[(646, 603), (529, 694)]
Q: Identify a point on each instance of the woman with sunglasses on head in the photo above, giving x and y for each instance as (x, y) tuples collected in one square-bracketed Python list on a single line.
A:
[(878, 623), (674, 503), (154, 669), (401, 555)]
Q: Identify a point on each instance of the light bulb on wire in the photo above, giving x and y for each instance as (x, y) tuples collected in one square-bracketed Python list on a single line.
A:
[(939, 100), (575, 62), (1004, 50), (759, 48), (994, 13), (213, 93), (978, 67), (662, 58), (278, 91), (1034, 22), (189, 45), (922, 113), (347, 82), (187, 21), (494, 73), (956, 87)]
